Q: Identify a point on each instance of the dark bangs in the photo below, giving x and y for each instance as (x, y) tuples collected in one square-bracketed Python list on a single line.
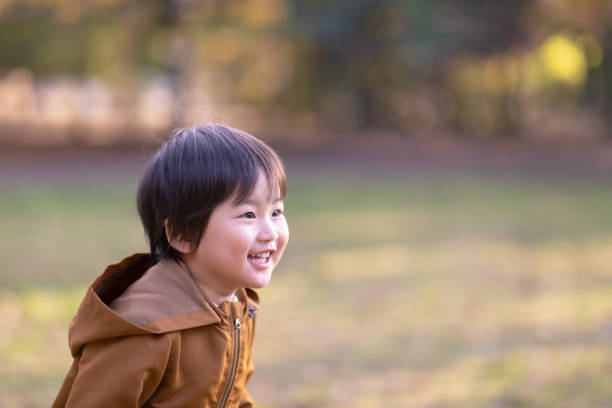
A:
[(195, 171)]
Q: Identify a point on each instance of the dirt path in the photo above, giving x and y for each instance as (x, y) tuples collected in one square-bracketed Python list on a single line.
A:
[(363, 160)]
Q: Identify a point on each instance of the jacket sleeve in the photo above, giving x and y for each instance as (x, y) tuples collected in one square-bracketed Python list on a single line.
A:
[(120, 372)]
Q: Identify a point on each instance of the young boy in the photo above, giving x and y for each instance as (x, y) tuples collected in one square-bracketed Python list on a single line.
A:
[(175, 327)]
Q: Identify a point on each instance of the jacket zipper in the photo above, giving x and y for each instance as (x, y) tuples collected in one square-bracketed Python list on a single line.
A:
[(230, 383)]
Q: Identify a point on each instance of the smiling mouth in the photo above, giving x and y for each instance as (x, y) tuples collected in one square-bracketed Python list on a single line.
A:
[(262, 258)]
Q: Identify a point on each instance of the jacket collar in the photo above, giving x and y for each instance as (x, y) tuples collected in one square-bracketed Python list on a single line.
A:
[(133, 297)]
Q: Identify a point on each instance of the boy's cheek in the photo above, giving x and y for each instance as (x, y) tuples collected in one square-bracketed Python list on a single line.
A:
[(285, 233)]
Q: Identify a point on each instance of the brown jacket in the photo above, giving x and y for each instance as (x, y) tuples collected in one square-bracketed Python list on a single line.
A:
[(148, 337)]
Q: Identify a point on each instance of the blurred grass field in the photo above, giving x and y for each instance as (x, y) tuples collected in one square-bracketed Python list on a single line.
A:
[(451, 290)]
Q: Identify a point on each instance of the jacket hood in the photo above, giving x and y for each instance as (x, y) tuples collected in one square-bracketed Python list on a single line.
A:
[(136, 296)]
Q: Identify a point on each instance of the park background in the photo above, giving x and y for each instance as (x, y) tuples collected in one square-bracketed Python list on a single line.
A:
[(449, 195)]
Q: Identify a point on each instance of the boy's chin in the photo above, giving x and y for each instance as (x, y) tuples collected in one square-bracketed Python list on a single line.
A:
[(261, 281), (260, 285)]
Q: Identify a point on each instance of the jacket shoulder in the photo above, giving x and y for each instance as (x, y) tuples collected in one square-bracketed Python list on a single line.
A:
[(130, 375)]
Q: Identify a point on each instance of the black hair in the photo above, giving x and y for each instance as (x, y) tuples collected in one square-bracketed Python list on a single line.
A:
[(196, 170)]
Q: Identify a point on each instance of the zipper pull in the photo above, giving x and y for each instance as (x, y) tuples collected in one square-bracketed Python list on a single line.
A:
[(237, 324)]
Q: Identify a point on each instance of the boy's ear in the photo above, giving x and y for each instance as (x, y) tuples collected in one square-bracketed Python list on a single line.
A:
[(175, 242)]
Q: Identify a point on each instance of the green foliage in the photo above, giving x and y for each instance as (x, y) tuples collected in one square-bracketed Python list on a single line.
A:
[(399, 65)]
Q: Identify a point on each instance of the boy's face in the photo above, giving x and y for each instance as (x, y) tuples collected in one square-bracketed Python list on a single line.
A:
[(241, 244)]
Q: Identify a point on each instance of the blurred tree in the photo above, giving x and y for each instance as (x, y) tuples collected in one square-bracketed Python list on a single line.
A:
[(413, 65)]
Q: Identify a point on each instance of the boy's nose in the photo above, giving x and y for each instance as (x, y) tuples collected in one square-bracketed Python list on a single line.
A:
[(268, 232)]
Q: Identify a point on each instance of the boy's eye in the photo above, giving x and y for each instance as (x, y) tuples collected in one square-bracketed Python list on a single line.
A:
[(249, 214), (277, 213)]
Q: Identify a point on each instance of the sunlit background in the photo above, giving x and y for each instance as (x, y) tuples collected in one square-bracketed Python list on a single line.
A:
[(449, 198)]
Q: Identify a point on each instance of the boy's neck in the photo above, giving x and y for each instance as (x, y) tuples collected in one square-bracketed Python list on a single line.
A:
[(214, 296), (220, 299)]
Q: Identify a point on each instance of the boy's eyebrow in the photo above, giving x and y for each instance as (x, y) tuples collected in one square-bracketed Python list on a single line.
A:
[(252, 202)]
